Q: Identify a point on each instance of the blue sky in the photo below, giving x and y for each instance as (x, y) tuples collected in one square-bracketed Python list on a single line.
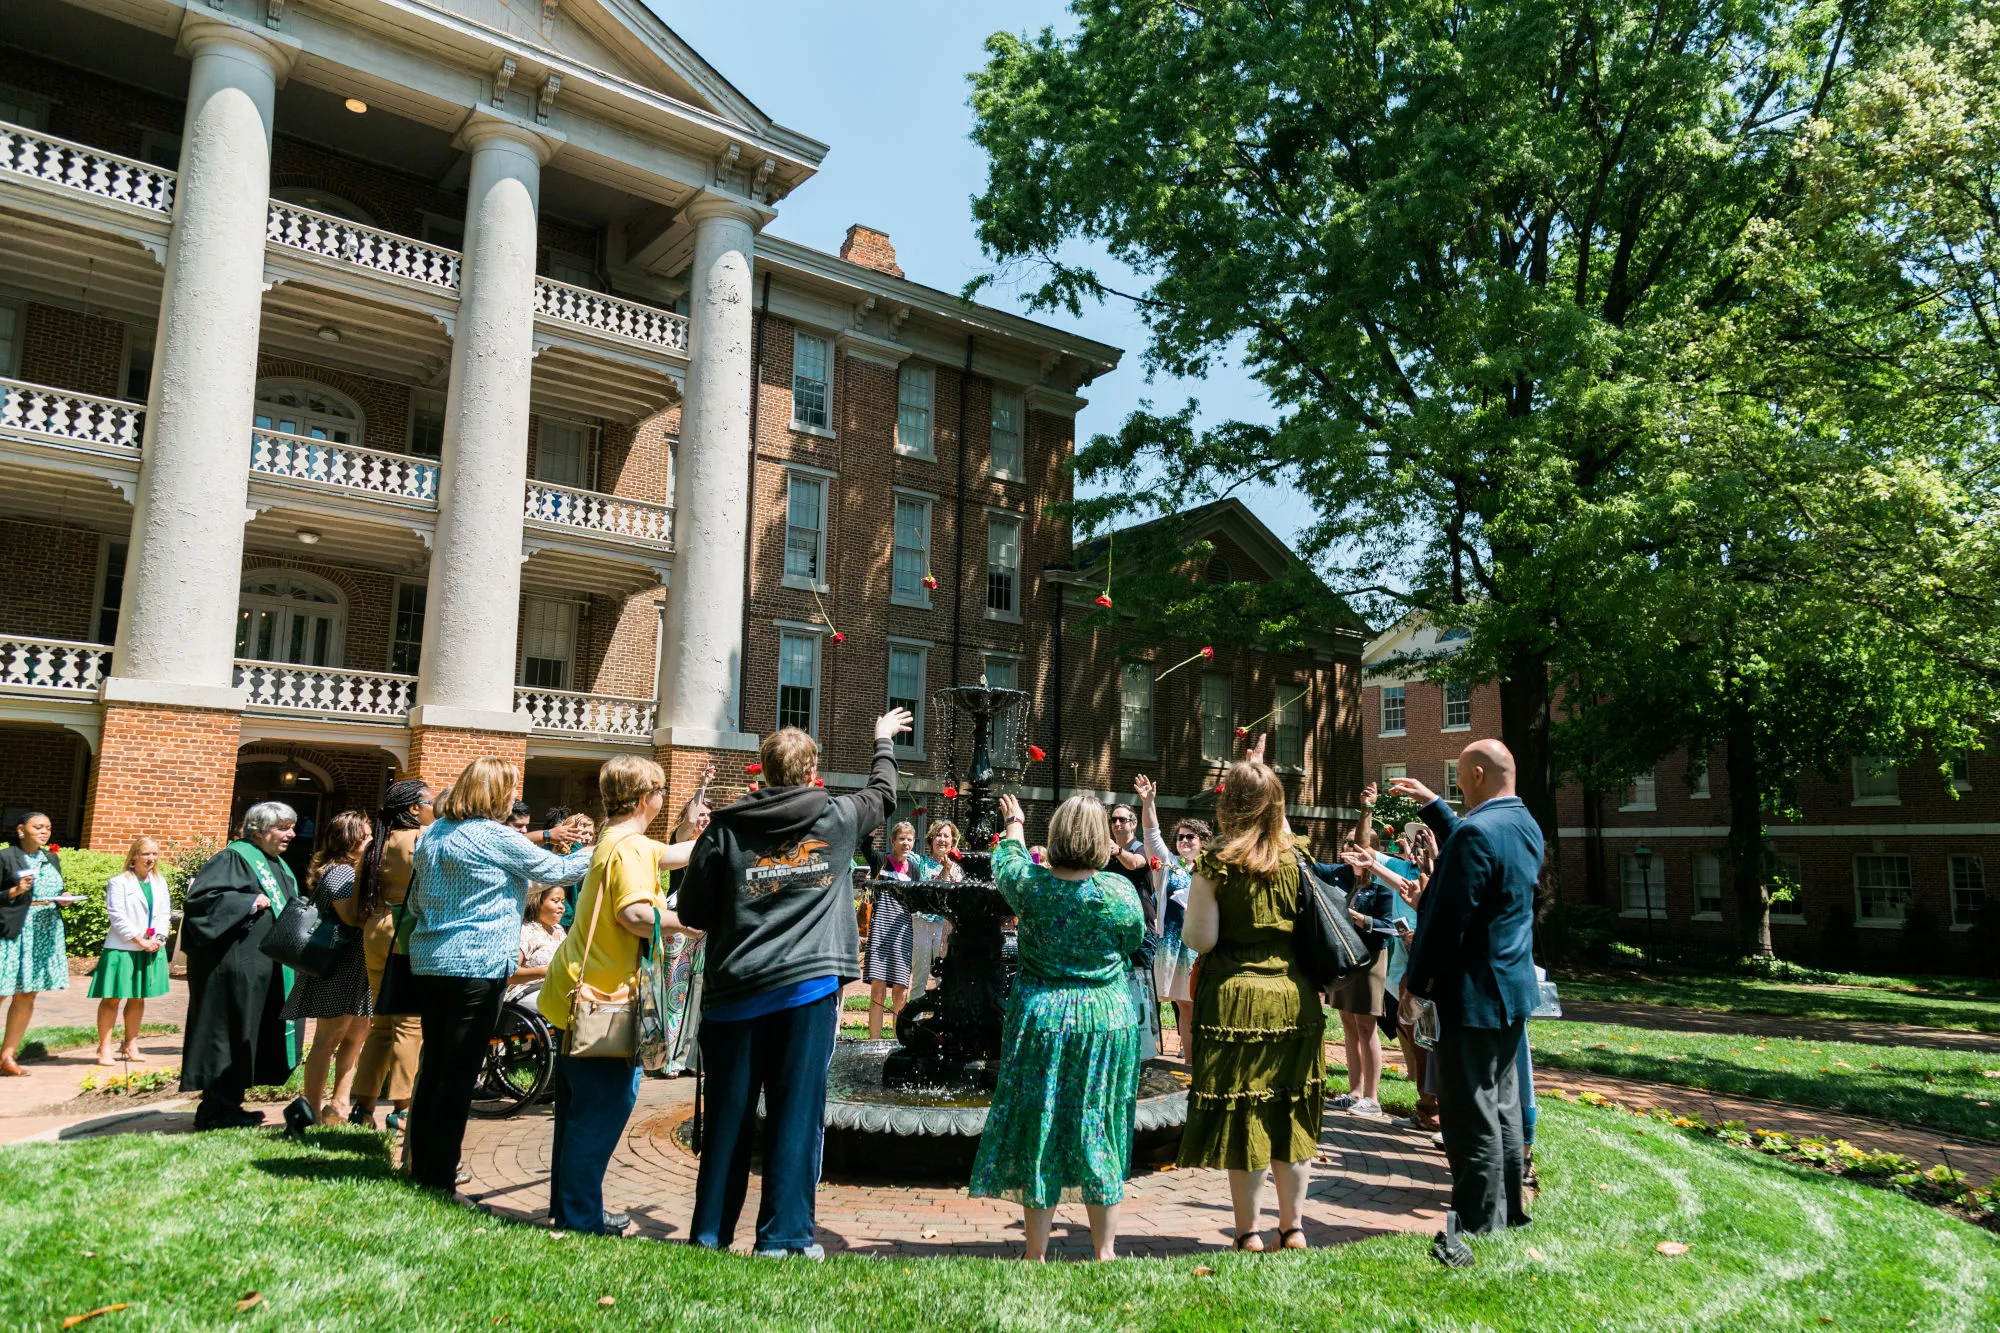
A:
[(885, 87)]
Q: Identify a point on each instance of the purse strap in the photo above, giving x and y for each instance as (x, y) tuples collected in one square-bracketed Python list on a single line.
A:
[(590, 932)]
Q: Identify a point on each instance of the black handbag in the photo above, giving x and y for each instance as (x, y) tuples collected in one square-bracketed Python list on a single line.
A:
[(306, 939), (1328, 947), (396, 997)]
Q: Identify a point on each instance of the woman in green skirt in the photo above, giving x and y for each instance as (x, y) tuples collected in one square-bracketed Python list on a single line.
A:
[(133, 965), (1069, 1065)]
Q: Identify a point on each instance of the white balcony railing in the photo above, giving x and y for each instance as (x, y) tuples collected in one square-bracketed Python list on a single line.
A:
[(595, 512), (351, 242), (290, 688), (52, 666), (278, 454), (609, 314), (36, 409), (43, 157), (587, 714)]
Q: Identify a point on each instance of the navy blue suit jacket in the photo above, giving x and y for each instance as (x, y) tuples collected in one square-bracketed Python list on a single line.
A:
[(1473, 953)]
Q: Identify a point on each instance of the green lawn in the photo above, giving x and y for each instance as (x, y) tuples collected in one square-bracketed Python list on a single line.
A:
[(36, 1043), (1892, 1000), (1946, 1090), (182, 1228)]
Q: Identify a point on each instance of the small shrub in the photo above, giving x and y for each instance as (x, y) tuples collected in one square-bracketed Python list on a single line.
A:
[(85, 874)]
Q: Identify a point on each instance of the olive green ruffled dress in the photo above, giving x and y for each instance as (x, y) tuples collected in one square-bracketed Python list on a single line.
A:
[(1259, 1060)]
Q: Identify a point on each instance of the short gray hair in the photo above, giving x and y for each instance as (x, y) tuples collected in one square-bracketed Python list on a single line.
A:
[(267, 815)]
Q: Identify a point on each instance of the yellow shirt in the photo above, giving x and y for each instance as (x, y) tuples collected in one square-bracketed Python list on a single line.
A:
[(629, 870)]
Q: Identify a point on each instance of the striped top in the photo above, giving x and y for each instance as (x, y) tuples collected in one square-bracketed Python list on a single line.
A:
[(470, 891)]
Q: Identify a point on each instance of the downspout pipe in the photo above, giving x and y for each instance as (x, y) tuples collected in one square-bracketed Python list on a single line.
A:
[(958, 533), (750, 482)]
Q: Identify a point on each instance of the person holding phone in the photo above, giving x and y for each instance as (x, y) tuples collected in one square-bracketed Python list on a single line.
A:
[(32, 956)]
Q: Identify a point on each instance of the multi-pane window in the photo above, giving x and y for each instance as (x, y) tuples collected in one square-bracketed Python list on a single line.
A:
[(290, 619), (1135, 709), (1452, 793), (1698, 784), (1783, 880), (809, 395), (906, 690), (1707, 884), (1457, 707), (112, 595), (913, 409), (1882, 888), (1643, 891), (138, 361), (1961, 773), (10, 338), (798, 681), (1288, 727), (1006, 461), (562, 451), (805, 529), (24, 109), (1644, 793), (407, 646), (548, 643), (1394, 711), (426, 423), (1002, 673), (1218, 717), (1876, 782), (1003, 567), (911, 559), (574, 269), (1968, 889), (1390, 772)]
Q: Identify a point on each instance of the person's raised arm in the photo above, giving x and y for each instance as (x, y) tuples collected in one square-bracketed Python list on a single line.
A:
[(522, 857), (1366, 833)]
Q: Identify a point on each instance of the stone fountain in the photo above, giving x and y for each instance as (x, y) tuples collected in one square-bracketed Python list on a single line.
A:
[(915, 1107)]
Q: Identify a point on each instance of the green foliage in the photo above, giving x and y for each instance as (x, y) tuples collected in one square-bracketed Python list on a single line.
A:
[(85, 874)]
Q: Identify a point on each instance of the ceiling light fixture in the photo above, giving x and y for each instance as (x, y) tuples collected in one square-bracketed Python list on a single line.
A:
[(328, 333), (356, 105), (307, 537)]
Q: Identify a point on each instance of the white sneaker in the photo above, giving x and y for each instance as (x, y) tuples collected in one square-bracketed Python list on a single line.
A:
[(1343, 1101), (1368, 1109)]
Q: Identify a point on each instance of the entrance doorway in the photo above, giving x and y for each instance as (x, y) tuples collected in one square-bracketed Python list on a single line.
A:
[(295, 785)]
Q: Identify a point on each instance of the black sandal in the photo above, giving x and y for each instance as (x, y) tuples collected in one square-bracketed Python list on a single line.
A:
[(1300, 1232), (1243, 1240)]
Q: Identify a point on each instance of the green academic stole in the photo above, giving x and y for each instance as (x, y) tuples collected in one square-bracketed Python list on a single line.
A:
[(260, 866)]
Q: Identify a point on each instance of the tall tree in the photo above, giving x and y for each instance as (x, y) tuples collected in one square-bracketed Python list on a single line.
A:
[(1459, 245)]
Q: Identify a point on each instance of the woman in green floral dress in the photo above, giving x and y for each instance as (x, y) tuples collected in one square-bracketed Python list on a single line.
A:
[(33, 959), (1069, 1069)]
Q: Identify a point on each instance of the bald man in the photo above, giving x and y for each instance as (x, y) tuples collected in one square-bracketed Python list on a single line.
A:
[(1472, 956)]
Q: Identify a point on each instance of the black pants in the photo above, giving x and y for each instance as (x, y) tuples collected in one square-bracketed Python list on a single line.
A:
[(458, 1016), (1479, 1100)]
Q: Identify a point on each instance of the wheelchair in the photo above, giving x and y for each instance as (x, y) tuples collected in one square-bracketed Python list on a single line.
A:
[(520, 1066)]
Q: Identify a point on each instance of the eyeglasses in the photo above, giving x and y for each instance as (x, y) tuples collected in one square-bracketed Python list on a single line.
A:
[(1187, 837)]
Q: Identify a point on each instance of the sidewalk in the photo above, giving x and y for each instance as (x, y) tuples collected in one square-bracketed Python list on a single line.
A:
[(1672, 1018)]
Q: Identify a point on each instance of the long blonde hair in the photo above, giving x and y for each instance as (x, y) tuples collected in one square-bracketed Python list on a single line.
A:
[(1251, 814)]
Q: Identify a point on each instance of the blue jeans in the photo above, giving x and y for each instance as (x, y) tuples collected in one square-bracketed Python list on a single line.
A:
[(593, 1104), (784, 1055)]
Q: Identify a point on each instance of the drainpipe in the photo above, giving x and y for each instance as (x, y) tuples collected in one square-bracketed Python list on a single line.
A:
[(958, 534), (750, 528), (1056, 687)]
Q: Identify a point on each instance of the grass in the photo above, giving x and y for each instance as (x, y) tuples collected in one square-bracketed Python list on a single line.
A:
[(1960, 1007), (1911, 1085), (36, 1043), (182, 1228)]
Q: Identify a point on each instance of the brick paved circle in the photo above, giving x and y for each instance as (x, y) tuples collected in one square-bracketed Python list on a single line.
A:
[(1370, 1180)]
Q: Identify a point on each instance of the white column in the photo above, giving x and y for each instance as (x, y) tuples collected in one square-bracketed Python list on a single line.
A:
[(701, 645), (472, 614), (177, 632)]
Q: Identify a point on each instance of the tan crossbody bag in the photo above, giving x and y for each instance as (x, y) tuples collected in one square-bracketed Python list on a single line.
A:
[(602, 1024)]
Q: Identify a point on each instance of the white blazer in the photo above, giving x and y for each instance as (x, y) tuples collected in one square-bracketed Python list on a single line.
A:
[(125, 904)]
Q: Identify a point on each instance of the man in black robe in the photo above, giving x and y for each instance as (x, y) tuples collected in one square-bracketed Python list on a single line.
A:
[(236, 1036)]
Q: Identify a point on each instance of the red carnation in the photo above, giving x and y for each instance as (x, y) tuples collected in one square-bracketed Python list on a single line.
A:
[(1104, 600), (1037, 753), (921, 810), (1155, 862), (819, 782), (995, 842), (1218, 788), (751, 787), (838, 637), (950, 792), (753, 769), (1241, 732), (955, 855), (930, 581), (1208, 653)]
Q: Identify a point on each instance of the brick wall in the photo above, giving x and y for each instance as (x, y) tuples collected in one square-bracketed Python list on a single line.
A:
[(439, 754), (92, 109), (67, 349), (1425, 746), (41, 772), (53, 573), (163, 773)]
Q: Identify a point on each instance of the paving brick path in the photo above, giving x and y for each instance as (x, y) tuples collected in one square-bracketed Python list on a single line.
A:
[(1673, 1018), (1371, 1179)]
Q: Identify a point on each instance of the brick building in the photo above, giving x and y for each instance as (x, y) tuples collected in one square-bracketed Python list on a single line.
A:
[(1875, 849), (378, 386)]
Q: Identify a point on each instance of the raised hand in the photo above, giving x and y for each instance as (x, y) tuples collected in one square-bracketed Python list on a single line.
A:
[(1413, 789), (1010, 809), (893, 724), (1255, 754), (1369, 795), (1143, 788)]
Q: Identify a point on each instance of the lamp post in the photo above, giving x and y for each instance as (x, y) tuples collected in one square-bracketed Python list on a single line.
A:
[(1644, 856)]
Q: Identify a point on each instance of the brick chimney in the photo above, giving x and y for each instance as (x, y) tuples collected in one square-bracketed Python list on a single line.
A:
[(870, 249)]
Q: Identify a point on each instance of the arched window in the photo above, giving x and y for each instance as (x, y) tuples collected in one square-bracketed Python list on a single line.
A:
[(301, 407), (320, 201), (287, 617), (1218, 571)]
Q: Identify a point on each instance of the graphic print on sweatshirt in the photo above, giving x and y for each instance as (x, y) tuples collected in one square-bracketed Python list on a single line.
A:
[(794, 865)]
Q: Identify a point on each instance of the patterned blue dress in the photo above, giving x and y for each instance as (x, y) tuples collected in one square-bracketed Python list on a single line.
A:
[(37, 961), (1069, 1066)]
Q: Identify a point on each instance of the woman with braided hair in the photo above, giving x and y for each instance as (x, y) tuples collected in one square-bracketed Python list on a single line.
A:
[(393, 1040)]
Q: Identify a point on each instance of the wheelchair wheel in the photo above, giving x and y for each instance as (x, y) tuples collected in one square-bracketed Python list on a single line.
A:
[(520, 1064)]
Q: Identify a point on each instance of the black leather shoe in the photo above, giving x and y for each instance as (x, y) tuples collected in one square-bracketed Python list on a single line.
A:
[(1449, 1247)]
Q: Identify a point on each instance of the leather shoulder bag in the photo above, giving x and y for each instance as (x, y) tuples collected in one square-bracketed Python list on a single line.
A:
[(1328, 947), (602, 1024)]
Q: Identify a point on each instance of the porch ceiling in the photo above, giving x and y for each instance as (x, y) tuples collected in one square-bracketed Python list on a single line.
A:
[(376, 339), (590, 383), (40, 490), (103, 273), (558, 565), (346, 536)]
